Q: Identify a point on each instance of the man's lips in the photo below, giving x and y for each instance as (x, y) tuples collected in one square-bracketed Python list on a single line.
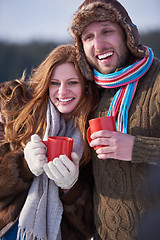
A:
[(104, 55)]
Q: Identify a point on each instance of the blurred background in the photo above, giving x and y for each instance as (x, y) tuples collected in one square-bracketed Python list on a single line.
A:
[(30, 29)]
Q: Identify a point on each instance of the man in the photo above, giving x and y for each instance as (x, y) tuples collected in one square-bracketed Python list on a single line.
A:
[(109, 52)]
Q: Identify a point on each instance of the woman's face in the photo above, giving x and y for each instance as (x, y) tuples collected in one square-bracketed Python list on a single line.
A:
[(65, 88)]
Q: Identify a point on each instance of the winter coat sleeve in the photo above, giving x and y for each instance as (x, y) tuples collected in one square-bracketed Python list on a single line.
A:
[(15, 175), (15, 181)]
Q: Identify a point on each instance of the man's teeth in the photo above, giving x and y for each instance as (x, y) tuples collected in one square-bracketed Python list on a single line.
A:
[(65, 100), (100, 57)]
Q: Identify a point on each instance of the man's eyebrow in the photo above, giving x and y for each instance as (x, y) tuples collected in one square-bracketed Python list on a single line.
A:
[(103, 25), (84, 32)]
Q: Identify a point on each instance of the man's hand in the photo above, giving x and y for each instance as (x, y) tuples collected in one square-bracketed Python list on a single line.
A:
[(116, 145), (63, 171)]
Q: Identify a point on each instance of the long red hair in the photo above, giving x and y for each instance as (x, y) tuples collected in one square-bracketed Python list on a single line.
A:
[(32, 118)]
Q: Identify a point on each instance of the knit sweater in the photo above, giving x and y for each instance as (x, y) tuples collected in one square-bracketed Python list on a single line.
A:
[(125, 191)]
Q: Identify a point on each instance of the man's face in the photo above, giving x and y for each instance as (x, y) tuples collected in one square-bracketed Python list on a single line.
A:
[(105, 46)]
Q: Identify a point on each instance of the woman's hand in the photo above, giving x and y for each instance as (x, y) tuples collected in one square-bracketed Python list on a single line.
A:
[(63, 171), (35, 155)]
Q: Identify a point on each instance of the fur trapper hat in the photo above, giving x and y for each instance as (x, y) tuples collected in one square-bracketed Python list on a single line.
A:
[(98, 11)]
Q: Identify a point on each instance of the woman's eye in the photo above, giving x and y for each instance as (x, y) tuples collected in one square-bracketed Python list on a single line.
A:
[(73, 83), (55, 83)]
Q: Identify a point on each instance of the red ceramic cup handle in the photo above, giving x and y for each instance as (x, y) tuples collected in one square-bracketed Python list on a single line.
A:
[(88, 135)]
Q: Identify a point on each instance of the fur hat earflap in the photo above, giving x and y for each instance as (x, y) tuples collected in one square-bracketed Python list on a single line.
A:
[(103, 10)]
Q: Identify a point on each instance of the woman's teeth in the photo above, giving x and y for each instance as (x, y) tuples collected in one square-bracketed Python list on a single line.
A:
[(66, 100)]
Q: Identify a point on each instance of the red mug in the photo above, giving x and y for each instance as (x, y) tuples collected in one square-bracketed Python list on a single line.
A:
[(57, 146), (101, 123)]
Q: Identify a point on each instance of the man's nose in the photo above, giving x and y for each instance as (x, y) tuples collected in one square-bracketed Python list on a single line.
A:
[(98, 43)]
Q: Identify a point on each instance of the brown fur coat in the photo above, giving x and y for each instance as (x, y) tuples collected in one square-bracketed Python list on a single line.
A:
[(15, 176), (15, 180)]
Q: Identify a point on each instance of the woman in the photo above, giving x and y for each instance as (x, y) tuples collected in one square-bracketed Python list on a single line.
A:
[(61, 104)]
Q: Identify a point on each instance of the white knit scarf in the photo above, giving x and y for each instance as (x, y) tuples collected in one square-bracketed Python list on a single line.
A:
[(41, 214)]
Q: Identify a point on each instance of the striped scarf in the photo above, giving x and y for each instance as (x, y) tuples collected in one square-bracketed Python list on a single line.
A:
[(127, 79)]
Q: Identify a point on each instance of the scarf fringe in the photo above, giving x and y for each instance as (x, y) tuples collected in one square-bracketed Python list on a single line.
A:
[(22, 234)]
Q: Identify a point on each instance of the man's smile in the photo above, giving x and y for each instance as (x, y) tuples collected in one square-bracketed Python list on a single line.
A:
[(104, 56)]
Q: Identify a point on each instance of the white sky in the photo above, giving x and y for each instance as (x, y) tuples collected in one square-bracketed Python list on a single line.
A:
[(22, 21)]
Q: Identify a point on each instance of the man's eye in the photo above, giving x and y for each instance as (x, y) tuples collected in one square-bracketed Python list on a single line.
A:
[(88, 37), (107, 31)]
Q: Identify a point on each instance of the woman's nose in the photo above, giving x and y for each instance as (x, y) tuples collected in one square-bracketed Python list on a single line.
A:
[(63, 89)]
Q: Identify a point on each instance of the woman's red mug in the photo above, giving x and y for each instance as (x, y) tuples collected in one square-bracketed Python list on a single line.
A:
[(102, 123), (57, 146)]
